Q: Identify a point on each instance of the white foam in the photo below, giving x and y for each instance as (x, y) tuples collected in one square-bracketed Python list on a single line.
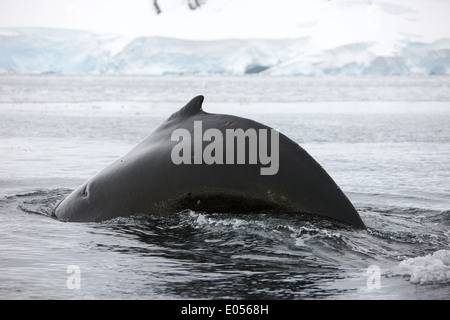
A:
[(430, 269)]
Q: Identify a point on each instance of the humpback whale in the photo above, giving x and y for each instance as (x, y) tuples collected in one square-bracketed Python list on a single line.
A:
[(211, 163)]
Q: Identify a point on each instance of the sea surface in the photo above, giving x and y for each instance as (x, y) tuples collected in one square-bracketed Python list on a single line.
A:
[(384, 140)]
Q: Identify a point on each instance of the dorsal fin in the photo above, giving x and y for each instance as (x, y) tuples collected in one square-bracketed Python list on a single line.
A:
[(193, 107)]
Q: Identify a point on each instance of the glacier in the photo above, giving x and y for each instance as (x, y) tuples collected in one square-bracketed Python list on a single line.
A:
[(239, 37), (43, 50)]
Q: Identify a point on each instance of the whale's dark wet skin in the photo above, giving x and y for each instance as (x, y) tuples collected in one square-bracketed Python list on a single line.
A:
[(147, 181)]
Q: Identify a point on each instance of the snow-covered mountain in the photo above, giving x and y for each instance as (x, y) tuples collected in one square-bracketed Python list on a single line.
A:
[(359, 37)]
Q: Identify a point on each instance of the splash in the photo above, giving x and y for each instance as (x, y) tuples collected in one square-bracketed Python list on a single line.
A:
[(430, 269)]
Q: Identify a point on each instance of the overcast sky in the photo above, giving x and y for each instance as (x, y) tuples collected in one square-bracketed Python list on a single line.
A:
[(117, 16)]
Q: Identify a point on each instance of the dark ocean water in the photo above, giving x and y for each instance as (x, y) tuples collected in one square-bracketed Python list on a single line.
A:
[(385, 141)]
